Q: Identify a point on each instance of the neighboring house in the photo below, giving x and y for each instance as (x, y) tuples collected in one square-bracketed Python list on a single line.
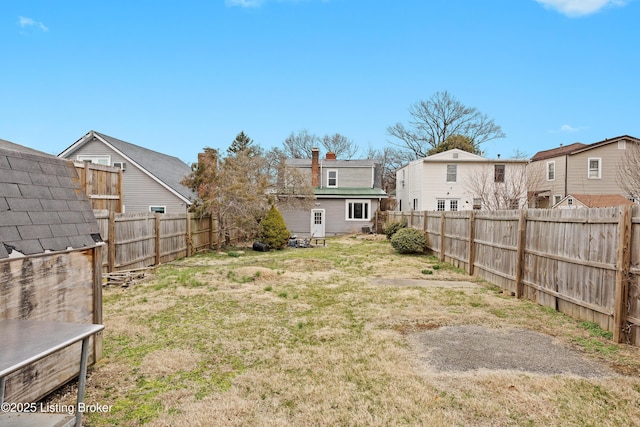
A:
[(457, 180), (347, 196), (578, 169), (577, 201), (150, 180)]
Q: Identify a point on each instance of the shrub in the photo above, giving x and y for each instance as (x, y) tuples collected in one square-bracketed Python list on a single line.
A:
[(393, 227), (409, 241), (273, 230)]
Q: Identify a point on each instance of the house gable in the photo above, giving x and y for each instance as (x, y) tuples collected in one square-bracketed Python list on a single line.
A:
[(149, 178)]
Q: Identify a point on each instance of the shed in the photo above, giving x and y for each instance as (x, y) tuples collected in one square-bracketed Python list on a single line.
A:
[(50, 254)]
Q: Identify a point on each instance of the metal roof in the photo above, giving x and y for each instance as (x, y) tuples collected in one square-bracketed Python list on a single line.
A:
[(354, 192)]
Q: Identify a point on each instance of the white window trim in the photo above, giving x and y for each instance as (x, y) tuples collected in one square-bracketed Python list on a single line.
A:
[(328, 173), (622, 145), (95, 159), (364, 202), (552, 162), (164, 208), (589, 160), (455, 175), (557, 198)]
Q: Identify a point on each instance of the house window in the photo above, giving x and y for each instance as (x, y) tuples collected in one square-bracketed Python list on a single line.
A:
[(622, 145), (453, 205), (317, 218), (440, 205), (100, 160), (415, 204), (498, 175), (358, 210), (447, 205), (157, 209), (332, 178), (477, 204), (551, 171), (556, 199), (452, 171), (595, 169)]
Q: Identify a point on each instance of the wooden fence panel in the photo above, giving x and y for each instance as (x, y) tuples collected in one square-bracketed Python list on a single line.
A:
[(496, 247), (135, 241), (456, 238), (102, 184), (173, 237), (582, 262)]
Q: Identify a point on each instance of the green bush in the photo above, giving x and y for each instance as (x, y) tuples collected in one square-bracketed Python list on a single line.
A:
[(393, 227), (409, 241), (273, 230)]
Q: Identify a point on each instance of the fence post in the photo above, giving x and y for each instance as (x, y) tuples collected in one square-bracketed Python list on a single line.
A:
[(472, 245), (623, 261), (111, 230), (189, 236), (211, 231), (522, 235), (157, 245), (97, 300), (442, 220)]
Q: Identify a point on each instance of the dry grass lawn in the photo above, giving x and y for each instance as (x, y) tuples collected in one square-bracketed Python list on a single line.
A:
[(315, 337)]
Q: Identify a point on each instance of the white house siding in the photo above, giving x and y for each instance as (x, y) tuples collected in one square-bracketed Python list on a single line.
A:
[(139, 190), (426, 180)]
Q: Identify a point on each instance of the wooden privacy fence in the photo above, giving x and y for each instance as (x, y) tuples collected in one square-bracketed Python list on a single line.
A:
[(582, 262), (140, 240), (103, 185)]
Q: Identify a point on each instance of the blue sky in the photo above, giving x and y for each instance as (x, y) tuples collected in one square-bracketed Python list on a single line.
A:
[(176, 76)]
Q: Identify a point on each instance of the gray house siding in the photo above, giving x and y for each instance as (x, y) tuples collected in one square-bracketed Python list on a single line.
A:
[(140, 190), (299, 222), (348, 176)]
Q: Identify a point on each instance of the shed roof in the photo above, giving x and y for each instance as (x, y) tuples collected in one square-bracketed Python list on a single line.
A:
[(42, 205), (599, 200)]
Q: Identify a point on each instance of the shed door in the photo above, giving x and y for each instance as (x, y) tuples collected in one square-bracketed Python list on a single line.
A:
[(317, 222)]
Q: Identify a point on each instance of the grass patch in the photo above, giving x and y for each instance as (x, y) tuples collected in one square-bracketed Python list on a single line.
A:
[(302, 337)]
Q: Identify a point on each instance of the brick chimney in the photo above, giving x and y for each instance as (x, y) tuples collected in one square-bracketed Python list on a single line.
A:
[(331, 155), (315, 169)]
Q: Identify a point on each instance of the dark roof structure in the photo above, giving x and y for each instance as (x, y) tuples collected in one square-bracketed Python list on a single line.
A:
[(556, 152), (42, 205), (169, 170)]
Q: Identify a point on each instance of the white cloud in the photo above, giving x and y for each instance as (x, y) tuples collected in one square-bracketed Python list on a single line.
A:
[(243, 3), (568, 129), (580, 7), (25, 22)]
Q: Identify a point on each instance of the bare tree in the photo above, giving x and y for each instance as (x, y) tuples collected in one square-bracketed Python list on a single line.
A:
[(391, 159), (628, 175), (343, 147), (299, 145), (501, 186), (291, 186), (439, 118)]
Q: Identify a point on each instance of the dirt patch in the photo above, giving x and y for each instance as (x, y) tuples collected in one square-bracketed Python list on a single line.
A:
[(384, 281), (476, 348)]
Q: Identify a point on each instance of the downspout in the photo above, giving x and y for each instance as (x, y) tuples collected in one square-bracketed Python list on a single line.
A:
[(321, 180), (566, 174)]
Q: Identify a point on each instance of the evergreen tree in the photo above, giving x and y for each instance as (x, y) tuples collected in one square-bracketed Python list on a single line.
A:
[(273, 230)]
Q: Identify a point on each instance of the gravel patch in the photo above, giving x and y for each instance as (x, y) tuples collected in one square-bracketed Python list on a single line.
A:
[(474, 348)]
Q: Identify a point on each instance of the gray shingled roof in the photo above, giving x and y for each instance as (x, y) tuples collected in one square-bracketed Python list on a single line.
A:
[(168, 169), (42, 205)]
